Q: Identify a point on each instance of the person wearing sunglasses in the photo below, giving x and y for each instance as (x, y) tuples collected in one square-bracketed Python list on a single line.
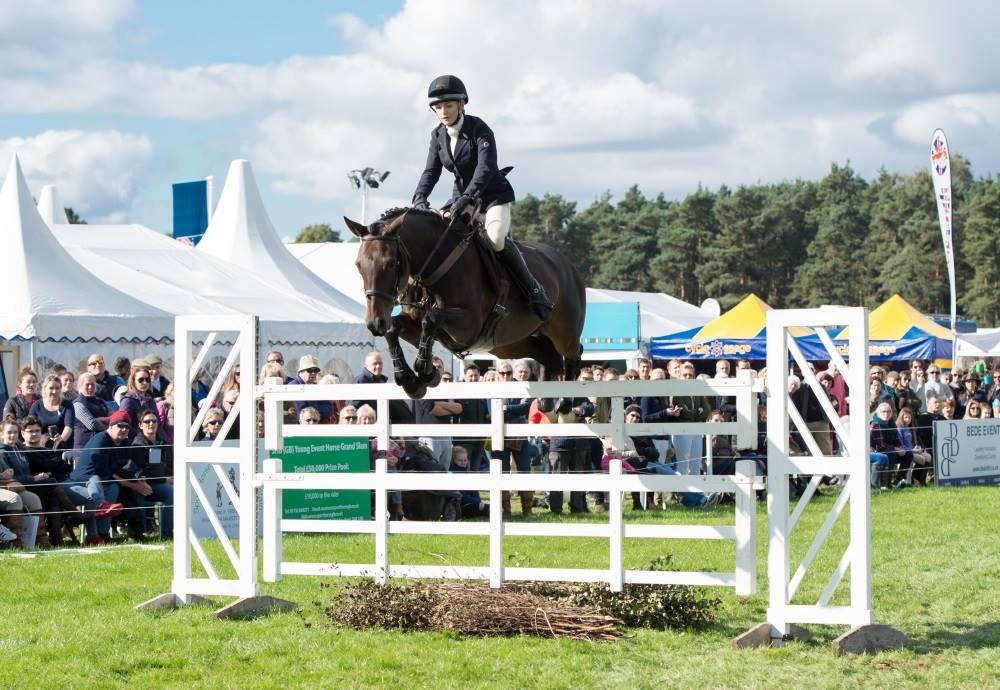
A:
[(155, 458), (106, 465), (212, 424), (309, 375), (106, 381), (139, 398)]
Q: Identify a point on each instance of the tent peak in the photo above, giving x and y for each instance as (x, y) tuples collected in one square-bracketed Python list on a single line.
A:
[(50, 208)]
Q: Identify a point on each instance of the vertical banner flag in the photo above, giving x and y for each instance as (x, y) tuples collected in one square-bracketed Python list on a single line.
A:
[(941, 177), (190, 210)]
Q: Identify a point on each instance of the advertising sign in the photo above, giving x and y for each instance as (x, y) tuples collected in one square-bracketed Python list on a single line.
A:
[(967, 451), (324, 454)]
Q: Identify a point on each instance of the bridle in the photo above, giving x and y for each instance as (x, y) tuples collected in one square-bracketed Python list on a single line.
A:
[(402, 262)]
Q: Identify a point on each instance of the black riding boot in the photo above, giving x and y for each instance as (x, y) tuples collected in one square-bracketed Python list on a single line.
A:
[(510, 255)]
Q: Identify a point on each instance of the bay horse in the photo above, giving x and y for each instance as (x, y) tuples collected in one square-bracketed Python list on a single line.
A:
[(454, 292)]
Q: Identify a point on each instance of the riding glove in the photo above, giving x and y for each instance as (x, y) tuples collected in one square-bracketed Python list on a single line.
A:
[(461, 204), (420, 202)]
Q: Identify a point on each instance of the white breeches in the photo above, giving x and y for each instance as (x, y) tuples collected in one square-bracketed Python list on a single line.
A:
[(497, 222)]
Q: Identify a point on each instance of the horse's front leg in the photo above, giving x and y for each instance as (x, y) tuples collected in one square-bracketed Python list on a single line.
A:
[(424, 364), (401, 371)]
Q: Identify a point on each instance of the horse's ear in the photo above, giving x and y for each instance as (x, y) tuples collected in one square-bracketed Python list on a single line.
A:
[(357, 229)]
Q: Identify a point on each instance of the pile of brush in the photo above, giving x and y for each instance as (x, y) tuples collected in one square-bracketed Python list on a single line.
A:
[(576, 611)]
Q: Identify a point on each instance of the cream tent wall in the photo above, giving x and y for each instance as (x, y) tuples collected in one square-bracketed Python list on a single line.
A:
[(54, 310)]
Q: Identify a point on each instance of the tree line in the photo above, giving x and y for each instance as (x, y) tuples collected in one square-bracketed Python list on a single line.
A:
[(841, 240)]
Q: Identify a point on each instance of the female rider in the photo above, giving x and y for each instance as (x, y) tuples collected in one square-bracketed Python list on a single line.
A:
[(465, 145)]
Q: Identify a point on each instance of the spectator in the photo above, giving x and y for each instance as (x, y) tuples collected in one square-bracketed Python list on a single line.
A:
[(27, 387), (905, 396), (139, 397), (155, 459), (446, 377), (742, 364), (158, 381), (909, 441), (53, 413), (106, 466), (814, 416), (15, 475), (567, 454), (935, 385), (348, 415), (272, 370), (68, 382), (521, 450), (657, 374), (212, 424), (366, 414), (90, 413), (631, 375), (472, 503), (165, 412), (972, 410), (106, 382), (122, 367), (687, 408), (199, 391), (838, 389), (885, 439), (644, 366), (722, 369), (971, 393), (309, 375), (475, 411), (947, 408), (233, 380), (674, 368), (309, 415), (637, 456), (51, 470)]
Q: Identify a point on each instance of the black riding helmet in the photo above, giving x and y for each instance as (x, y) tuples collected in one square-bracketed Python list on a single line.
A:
[(447, 87)]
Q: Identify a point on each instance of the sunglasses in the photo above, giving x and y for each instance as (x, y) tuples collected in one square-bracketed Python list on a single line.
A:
[(311, 370), (275, 361), (95, 363), (150, 421), (236, 373), (505, 373), (350, 419), (142, 380), (123, 425), (215, 422)]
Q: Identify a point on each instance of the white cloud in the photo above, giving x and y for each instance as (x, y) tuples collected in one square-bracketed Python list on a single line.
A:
[(584, 97), (97, 173)]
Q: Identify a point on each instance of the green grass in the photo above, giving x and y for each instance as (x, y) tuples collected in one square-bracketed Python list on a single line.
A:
[(69, 619)]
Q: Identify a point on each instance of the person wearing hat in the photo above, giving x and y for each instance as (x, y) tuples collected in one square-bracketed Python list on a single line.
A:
[(308, 374), (106, 466), (158, 382), (971, 392), (465, 146)]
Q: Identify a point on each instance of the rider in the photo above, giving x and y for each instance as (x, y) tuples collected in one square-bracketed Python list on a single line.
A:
[(465, 145)]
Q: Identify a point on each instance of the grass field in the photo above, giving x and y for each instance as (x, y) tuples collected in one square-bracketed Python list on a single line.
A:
[(69, 620)]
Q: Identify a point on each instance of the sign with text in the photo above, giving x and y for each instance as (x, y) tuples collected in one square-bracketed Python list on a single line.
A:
[(967, 451), (324, 454)]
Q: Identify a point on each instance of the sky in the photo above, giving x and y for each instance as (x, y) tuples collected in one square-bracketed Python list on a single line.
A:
[(114, 100)]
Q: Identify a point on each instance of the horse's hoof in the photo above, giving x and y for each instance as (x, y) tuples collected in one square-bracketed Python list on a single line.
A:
[(433, 380), (416, 392)]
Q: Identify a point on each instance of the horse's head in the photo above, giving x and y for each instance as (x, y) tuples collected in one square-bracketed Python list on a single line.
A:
[(384, 268)]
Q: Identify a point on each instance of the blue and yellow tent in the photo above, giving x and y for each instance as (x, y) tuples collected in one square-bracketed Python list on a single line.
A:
[(897, 331), (738, 333)]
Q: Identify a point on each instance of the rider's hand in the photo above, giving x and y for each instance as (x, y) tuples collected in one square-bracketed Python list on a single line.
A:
[(420, 202), (461, 204)]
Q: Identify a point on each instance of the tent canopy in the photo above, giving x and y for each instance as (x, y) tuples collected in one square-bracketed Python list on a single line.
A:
[(898, 331), (333, 263), (739, 332), (983, 343), (49, 295), (241, 233)]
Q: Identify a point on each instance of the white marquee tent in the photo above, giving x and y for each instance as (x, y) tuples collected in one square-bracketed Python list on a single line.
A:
[(241, 233), (982, 343), (53, 308)]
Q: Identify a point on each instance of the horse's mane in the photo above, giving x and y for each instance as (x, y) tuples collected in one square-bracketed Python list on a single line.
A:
[(393, 213)]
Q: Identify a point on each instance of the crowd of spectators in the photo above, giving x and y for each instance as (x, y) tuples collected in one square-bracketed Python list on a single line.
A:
[(93, 450)]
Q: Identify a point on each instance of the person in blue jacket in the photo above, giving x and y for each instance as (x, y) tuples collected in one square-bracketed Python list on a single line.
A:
[(464, 145)]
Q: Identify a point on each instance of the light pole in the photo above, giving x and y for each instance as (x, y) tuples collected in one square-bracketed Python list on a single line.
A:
[(363, 179)]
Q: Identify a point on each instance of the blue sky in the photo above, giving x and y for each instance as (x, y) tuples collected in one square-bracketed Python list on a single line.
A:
[(113, 100)]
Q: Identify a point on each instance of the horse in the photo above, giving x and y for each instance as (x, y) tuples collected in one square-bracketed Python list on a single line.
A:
[(452, 290)]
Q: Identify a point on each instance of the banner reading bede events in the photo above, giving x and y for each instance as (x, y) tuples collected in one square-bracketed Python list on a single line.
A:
[(967, 451)]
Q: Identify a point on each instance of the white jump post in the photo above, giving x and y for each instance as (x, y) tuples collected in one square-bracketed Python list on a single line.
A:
[(784, 616), (191, 455)]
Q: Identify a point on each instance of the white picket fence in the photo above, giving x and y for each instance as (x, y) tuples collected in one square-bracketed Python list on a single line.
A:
[(743, 484)]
